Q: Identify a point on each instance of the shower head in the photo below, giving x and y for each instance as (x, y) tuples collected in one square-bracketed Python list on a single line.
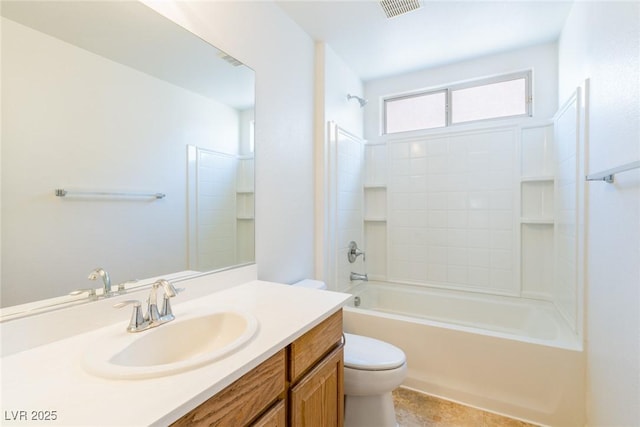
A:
[(361, 101)]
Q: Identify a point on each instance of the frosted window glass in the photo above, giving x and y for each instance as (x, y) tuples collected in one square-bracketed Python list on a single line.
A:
[(417, 112), (489, 101)]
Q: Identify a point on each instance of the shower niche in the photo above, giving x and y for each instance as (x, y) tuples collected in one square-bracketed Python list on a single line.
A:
[(536, 211)]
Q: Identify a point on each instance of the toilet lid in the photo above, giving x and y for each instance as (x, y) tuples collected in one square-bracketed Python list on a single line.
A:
[(369, 354)]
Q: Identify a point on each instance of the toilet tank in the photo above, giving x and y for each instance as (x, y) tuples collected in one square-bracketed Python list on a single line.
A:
[(310, 283)]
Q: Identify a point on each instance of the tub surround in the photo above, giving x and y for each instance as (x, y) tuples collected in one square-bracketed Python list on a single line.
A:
[(521, 379), (50, 377)]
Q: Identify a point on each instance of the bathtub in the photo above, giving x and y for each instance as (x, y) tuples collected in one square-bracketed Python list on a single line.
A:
[(506, 355)]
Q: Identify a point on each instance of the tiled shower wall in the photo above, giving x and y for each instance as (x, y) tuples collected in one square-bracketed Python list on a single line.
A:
[(452, 210), (475, 210), (347, 160)]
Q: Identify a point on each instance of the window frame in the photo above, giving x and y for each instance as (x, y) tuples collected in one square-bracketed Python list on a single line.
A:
[(416, 95), (527, 75)]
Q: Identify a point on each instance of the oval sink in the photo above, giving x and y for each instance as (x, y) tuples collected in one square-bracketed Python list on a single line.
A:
[(185, 343)]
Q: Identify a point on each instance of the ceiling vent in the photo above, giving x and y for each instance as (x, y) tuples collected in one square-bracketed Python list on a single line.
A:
[(393, 8), (230, 59)]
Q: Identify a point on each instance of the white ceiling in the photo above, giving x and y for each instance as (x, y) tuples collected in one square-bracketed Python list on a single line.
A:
[(438, 33)]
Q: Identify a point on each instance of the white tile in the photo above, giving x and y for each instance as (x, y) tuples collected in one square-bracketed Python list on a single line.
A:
[(478, 257), (436, 201), (478, 238), (437, 164), (399, 150), (478, 219), (501, 180), (500, 239), (456, 237), (437, 146), (437, 219), (501, 279), (457, 144), (436, 273), (501, 200), (438, 236), (456, 274), (457, 163), (457, 200), (436, 255), (418, 166), (501, 258), (418, 149), (456, 219), (437, 182), (501, 220), (501, 160), (455, 182), (479, 200), (478, 276), (457, 256), (418, 201), (478, 162), (400, 167)]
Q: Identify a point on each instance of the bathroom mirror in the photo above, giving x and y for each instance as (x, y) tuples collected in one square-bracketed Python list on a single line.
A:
[(127, 144)]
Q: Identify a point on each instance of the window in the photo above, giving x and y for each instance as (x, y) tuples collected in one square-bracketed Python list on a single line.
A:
[(423, 111), (499, 97)]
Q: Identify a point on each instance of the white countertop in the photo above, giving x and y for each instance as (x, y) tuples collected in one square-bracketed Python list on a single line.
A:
[(51, 377)]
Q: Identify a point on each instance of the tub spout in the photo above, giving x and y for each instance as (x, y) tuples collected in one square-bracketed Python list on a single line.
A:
[(358, 276)]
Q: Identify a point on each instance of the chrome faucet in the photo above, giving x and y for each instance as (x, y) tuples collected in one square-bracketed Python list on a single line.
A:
[(106, 280), (153, 317), (164, 315), (354, 252), (358, 276)]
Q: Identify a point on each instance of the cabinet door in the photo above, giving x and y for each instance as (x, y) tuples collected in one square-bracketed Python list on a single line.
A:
[(275, 417), (318, 399)]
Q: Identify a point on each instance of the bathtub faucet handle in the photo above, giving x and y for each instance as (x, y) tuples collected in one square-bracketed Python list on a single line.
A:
[(354, 252)]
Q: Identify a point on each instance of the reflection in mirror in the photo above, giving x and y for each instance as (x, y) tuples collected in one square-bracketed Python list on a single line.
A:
[(111, 97)]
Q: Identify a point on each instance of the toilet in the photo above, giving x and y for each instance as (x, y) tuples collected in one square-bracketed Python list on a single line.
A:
[(372, 369)]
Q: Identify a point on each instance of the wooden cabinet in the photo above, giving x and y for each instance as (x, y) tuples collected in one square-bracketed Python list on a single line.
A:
[(301, 385), (275, 417), (241, 402), (316, 397), (317, 400)]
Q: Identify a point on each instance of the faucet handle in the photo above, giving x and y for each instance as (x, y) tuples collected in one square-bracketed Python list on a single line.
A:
[(354, 252), (165, 313), (138, 322), (91, 293), (122, 287)]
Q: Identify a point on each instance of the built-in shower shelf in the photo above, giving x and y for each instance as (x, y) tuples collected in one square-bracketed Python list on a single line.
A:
[(375, 186), (244, 191), (543, 221), (375, 219), (244, 218), (543, 178)]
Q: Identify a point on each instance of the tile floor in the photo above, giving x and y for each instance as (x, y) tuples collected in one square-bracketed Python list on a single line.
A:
[(414, 409)]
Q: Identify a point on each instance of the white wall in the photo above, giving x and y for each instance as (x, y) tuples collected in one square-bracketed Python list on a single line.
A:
[(340, 80), (542, 59), (96, 142), (260, 35), (334, 80), (601, 41)]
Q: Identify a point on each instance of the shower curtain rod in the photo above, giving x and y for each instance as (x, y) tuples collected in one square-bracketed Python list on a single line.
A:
[(609, 174)]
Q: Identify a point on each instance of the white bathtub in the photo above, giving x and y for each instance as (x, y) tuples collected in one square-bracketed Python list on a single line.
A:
[(505, 355)]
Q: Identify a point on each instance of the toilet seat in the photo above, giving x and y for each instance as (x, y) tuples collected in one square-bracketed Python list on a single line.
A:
[(370, 354)]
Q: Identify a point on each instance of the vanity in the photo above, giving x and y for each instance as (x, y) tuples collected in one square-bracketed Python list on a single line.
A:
[(288, 373)]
